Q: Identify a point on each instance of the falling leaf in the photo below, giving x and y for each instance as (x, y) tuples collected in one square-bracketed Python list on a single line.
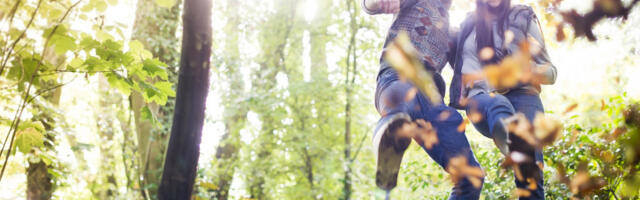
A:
[(408, 130), (426, 133), (547, 129), (508, 37), (459, 169), (411, 94), (444, 116), (521, 127), (616, 133), (486, 54), (404, 59), (602, 105), (463, 125), (475, 117), (511, 70), (519, 192), (560, 35), (570, 108), (532, 184)]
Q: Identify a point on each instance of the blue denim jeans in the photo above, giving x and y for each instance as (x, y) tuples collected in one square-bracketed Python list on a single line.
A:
[(498, 107), (390, 100)]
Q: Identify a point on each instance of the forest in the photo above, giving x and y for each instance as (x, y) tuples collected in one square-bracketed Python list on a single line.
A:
[(274, 99)]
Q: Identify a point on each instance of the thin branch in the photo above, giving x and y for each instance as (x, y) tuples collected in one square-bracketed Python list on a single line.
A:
[(355, 154), (16, 121), (13, 45)]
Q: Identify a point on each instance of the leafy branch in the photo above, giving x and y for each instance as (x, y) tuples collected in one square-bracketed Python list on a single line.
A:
[(16, 120)]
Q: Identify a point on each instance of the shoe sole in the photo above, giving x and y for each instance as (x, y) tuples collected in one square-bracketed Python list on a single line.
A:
[(390, 152)]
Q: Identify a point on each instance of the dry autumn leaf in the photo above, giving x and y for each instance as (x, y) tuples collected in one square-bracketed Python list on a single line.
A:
[(511, 70), (463, 125), (459, 169), (546, 129), (403, 57), (426, 134), (570, 108), (519, 192)]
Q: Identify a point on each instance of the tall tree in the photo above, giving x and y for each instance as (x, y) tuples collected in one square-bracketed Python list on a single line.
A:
[(184, 144), (155, 27), (273, 38), (235, 108), (350, 77)]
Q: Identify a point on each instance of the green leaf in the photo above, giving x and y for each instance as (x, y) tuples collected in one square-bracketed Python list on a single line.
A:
[(166, 3), (101, 6), (155, 68), (165, 87), (76, 62), (29, 138), (63, 44), (135, 46), (119, 83), (146, 114)]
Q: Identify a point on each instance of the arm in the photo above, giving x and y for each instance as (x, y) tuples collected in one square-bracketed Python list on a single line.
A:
[(544, 72)]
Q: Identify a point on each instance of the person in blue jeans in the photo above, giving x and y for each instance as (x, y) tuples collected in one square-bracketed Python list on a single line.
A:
[(500, 29), (426, 22)]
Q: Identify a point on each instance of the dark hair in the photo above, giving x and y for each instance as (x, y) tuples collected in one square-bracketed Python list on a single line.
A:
[(484, 27)]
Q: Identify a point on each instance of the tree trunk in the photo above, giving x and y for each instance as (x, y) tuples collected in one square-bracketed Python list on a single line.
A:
[(350, 77), (273, 59), (193, 85), (235, 110), (155, 27), (39, 181), (106, 185)]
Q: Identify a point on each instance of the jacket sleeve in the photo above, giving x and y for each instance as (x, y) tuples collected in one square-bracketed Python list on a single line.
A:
[(545, 69), (367, 10), (453, 44), (403, 4)]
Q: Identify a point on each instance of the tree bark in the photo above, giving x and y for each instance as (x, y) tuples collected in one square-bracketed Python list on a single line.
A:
[(193, 85)]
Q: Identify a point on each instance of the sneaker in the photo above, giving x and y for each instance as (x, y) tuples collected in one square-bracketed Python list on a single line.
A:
[(389, 149)]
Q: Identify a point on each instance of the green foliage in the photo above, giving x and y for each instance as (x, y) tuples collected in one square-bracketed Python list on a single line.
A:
[(30, 135)]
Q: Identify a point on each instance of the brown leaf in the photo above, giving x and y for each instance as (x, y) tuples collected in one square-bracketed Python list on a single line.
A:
[(616, 133), (403, 57), (426, 133), (523, 129), (408, 130), (510, 70), (411, 94), (486, 54), (532, 184), (475, 117), (519, 192), (459, 169), (444, 116), (463, 125), (570, 108), (547, 130), (560, 35)]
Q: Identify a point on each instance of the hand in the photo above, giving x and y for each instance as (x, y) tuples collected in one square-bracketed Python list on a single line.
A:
[(383, 6)]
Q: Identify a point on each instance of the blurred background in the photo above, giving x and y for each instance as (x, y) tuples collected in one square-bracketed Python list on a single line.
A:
[(290, 111)]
